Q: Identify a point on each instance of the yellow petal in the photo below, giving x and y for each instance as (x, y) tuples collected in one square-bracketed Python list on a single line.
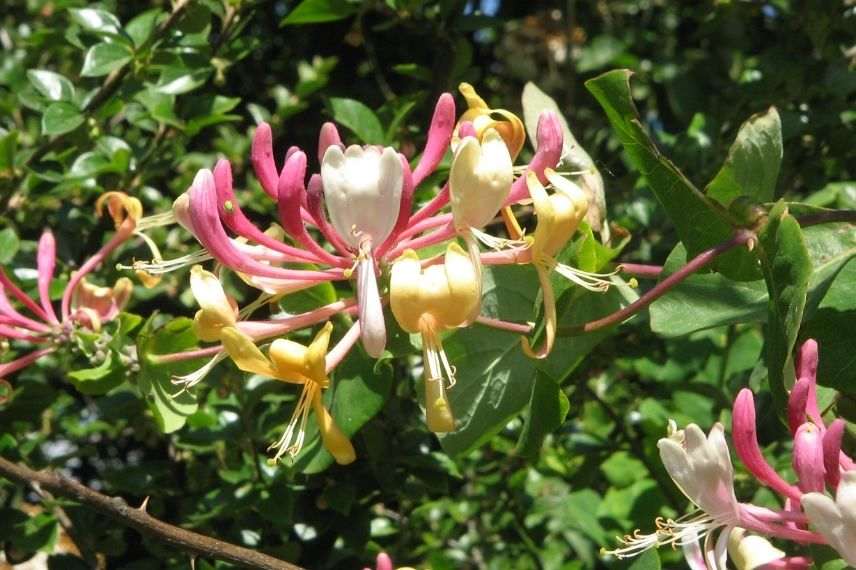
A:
[(122, 292), (217, 312), (147, 279), (289, 360), (479, 180), (559, 214), (404, 291), (120, 206), (463, 299), (334, 440), (438, 413), (245, 353), (509, 126), (549, 317), (316, 355)]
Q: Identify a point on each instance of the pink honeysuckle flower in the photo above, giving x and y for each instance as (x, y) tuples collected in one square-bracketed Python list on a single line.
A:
[(83, 304), (384, 562), (702, 468)]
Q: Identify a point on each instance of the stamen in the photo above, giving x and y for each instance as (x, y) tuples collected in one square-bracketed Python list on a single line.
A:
[(161, 266), (188, 381), (292, 439), (597, 282), (156, 221), (683, 531), (498, 243)]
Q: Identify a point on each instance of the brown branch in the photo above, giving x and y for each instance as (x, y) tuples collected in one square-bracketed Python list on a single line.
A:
[(137, 518), (827, 218)]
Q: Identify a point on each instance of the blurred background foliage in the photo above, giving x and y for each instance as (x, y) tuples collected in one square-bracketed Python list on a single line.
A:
[(136, 96)]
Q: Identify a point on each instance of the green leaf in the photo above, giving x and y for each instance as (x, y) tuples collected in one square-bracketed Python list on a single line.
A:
[(700, 222), (52, 85), (753, 162), (178, 80), (101, 379), (359, 118), (96, 20), (170, 404), (316, 11), (710, 300), (548, 408), (358, 393), (160, 106), (8, 149), (787, 270), (103, 58), (141, 27), (9, 244), (495, 380), (648, 560), (574, 156), (61, 118)]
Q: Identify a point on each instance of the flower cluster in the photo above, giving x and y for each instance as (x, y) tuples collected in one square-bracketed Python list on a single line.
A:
[(701, 467), (84, 306), (355, 220)]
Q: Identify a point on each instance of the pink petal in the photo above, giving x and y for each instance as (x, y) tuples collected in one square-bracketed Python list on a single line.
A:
[(467, 130), (46, 263), (261, 156), (548, 154), (796, 404), (205, 218), (236, 221), (21, 296), (746, 445), (808, 458), (832, 452), (329, 136), (13, 366), (439, 137), (384, 562), (14, 317), (807, 360)]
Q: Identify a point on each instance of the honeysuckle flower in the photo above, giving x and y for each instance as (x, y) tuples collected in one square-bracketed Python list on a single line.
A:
[(216, 311), (294, 363), (83, 304), (362, 189), (702, 468), (835, 519), (559, 214), (428, 302), (483, 118)]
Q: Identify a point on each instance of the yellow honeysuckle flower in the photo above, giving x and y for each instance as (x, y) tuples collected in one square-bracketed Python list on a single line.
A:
[(508, 125), (479, 180), (216, 309), (294, 363), (559, 214), (428, 302), (120, 206)]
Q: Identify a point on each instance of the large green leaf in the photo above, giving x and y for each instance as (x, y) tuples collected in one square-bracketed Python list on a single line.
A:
[(317, 11), (9, 244), (548, 408), (52, 85), (709, 300), (753, 162), (359, 118), (61, 117), (787, 270), (103, 58), (701, 223), (170, 405), (96, 20), (495, 378)]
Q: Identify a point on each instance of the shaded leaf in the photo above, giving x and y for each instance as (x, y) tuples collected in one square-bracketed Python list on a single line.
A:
[(700, 222), (9, 244), (61, 118), (548, 408), (316, 11), (752, 166)]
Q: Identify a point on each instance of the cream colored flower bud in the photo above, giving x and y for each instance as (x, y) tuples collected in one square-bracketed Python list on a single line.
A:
[(480, 179)]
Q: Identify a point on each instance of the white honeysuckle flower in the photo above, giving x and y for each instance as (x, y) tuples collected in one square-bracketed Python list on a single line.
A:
[(750, 551), (362, 189), (216, 309), (836, 520), (701, 467), (479, 180)]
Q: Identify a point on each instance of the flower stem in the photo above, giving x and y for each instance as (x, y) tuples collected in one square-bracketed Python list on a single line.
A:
[(742, 237)]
